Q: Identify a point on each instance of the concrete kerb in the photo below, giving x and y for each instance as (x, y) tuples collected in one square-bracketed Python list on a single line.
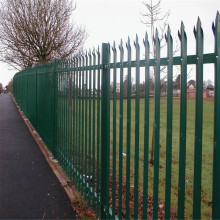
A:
[(65, 181)]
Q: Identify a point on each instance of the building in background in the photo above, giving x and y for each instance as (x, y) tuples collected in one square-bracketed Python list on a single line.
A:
[(209, 92)]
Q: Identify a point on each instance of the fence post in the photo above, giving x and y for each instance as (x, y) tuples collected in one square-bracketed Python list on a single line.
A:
[(36, 73), (216, 156), (105, 131), (27, 76), (55, 88)]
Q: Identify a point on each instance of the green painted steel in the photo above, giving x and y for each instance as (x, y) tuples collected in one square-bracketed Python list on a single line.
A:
[(114, 132), (146, 126), (86, 122), (55, 77), (128, 153), (156, 126), (198, 123), (121, 132), (32, 102), (88, 110), (98, 135), (82, 131), (169, 124), (90, 123), (93, 124), (216, 155), (105, 132), (137, 129), (183, 116)]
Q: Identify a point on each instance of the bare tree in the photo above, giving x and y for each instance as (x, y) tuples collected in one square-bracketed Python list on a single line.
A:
[(209, 82), (153, 18), (37, 31)]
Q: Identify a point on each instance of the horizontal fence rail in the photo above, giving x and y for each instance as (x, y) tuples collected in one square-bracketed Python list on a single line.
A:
[(131, 151)]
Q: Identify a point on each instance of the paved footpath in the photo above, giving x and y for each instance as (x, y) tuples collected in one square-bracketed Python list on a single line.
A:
[(28, 187)]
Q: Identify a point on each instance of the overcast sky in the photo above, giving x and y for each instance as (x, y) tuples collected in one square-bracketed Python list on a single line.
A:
[(109, 20)]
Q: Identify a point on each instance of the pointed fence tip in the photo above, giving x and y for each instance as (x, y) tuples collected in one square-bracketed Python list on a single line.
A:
[(181, 32), (146, 36), (194, 31), (168, 30), (113, 47), (121, 46), (156, 33), (182, 27), (199, 26), (213, 27), (156, 37), (198, 21), (128, 45), (145, 40), (168, 34), (216, 23), (217, 20), (136, 43), (179, 35)]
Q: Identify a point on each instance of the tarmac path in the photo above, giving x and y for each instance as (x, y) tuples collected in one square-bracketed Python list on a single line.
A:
[(28, 187)]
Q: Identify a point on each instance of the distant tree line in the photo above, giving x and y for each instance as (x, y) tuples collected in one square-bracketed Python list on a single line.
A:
[(9, 87), (1, 88)]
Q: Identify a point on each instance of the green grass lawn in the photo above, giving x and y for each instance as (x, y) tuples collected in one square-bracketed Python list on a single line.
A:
[(207, 151), (207, 158)]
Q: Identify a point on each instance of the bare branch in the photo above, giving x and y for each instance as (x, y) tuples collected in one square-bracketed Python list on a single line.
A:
[(37, 31)]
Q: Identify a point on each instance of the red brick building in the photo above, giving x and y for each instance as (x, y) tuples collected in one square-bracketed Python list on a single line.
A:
[(209, 92), (191, 92)]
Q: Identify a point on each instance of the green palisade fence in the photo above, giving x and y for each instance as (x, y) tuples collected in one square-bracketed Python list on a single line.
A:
[(99, 127)]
